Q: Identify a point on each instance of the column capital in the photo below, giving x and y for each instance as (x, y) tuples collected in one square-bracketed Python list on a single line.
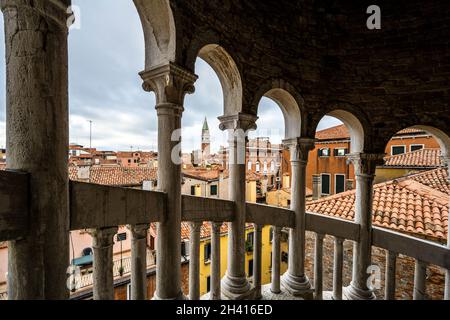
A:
[(239, 121), (139, 231), (169, 82), (299, 148), (215, 227), (103, 238), (195, 226), (257, 227), (58, 11), (366, 163)]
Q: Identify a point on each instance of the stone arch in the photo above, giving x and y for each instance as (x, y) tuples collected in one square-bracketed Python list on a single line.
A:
[(289, 101), (442, 138), (357, 123), (159, 31), (229, 76)]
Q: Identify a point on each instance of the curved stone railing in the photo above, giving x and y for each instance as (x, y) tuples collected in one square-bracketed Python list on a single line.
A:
[(101, 209)]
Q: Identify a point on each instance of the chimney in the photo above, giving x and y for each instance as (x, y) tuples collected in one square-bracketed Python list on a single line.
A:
[(316, 186), (349, 184), (84, 173)]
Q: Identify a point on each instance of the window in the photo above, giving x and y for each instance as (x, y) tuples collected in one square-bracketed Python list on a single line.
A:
[(207, 252), (339, 183), (395, 150), (324, 152), (340, 152), (265, 167), (208, 284), (87, 252), (325, 178), (192, 190), (250, 268), (249, 166), (257, 167), (272, 167), (251, 237), (129, 160), (213, 190), (289, 203), (271, 236), (415, 147)]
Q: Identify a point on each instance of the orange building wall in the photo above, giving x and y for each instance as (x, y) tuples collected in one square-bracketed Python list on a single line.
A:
[(429, 143), (338, 165)]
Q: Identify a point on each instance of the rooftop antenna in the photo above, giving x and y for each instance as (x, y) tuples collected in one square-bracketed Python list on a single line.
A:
[(90, 135)]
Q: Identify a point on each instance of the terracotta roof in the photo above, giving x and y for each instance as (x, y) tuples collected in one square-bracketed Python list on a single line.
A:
[(420, 158), (341, 132), (202, 173), (116, 176), (333, 133), (406, 206), (205, 230), (436, 179)]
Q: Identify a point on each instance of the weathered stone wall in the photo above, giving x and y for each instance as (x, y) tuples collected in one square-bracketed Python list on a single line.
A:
[(404, 273), (390, 78)]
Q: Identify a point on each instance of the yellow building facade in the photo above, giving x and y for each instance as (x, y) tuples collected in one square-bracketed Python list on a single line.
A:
[(266, 263)]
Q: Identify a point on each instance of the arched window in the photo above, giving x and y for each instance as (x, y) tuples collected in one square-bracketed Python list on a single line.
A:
[(249, 165), (265, 167), (272, 167), (257, 167)]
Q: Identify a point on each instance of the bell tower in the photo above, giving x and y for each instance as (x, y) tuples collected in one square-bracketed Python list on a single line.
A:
[(206, 141)]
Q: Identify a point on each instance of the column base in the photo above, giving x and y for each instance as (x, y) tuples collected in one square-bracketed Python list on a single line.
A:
[(353, 293), (236, 288), (180, 296), (297, 286)]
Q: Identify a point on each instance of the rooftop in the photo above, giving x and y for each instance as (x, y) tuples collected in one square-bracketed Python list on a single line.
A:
[(404, 205), (424, 158), (116, 176)]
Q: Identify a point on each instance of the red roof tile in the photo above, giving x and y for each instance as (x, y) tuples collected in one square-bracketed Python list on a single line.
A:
[(406, 206), (116, 176), (420, 158)]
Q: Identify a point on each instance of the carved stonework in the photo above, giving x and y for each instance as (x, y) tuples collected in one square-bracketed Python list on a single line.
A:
[(139, 231), (55, 11), (103, 238), (240, 121), (366, 163), (299, 148), (169, 82)]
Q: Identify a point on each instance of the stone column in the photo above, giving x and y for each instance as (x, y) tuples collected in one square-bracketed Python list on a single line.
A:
[(318, 267), (276, 260), (257, 260), (37, 135), (420, 276), (295, 280), (235, 285), (103, 241), (170, 84), (389, 286), (365, 165), (139, 261), (215, 261), (194, 261), (337, 268), (446, 160)]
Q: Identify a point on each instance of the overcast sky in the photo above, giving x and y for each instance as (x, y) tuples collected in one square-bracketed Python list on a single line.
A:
[(104, 60)]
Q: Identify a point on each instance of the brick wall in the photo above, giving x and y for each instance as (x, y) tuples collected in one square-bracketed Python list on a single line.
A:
[(404, 274)]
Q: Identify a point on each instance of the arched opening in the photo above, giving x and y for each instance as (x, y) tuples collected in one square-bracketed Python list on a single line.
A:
[(329, 171), (159, 31), (228, 73)]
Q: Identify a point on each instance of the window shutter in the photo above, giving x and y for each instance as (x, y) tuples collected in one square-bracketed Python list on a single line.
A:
[(319, 152), (336, 152)]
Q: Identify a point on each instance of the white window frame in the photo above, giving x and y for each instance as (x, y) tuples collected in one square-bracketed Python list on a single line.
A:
[(129, 291), (416, 145), (343, 154), (329, 185), (396, 146), (335, 175), (329, 153)]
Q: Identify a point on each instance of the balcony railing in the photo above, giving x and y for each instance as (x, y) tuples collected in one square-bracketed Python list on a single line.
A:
[(102, 209)]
